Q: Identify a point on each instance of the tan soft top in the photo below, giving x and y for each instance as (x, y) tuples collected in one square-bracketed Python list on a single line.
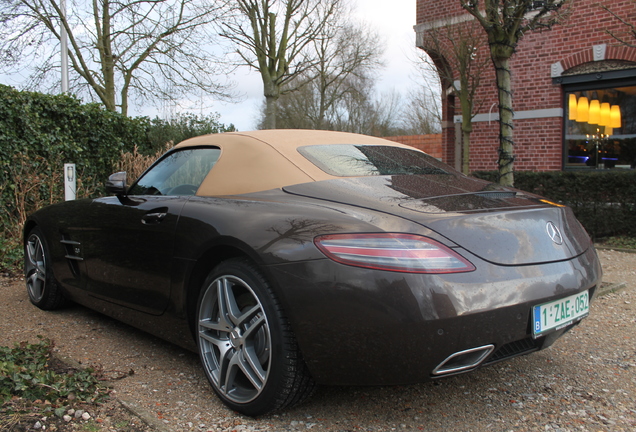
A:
[(268, 159)]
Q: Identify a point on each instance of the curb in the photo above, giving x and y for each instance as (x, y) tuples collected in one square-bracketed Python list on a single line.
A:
[(144, 415), (611, 288)]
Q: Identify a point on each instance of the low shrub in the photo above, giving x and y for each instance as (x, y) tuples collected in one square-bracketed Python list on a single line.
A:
[(25, 373), (604, 201)]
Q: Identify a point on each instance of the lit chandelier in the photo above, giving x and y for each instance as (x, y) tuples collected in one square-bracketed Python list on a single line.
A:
[(594, 113)]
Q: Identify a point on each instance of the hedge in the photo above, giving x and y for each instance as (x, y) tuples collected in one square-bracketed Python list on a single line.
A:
[(39, 133), (604, 200), (59, 129)]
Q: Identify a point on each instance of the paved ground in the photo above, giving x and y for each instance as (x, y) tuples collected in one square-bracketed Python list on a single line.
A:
[(587, 381)]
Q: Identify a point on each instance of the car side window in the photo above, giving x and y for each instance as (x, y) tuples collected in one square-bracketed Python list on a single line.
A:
[(179, 173)]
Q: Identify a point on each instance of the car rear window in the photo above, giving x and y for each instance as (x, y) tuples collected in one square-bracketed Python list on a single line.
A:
[(349, 160)]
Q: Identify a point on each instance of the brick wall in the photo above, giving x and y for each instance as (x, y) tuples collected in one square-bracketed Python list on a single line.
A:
[(430, 10), (538, 142), (537, 145), (431, 144)]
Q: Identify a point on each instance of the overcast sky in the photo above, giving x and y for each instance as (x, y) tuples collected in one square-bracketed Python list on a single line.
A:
[(394, 20)]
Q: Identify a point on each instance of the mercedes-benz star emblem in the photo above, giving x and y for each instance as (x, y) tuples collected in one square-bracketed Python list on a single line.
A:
[(554, 233)]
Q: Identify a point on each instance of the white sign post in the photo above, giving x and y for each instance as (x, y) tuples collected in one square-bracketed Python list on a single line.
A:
[(70, 183)]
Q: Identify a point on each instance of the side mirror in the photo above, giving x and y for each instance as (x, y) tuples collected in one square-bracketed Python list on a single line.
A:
[(116, 183)]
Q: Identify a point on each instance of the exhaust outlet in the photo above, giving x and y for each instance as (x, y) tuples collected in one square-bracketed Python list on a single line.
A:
[(463, 360)]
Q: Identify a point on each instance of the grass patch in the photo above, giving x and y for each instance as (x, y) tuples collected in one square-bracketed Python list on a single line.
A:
[(621, 242)]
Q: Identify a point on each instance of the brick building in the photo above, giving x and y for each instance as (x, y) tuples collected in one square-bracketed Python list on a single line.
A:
[(555, 73)]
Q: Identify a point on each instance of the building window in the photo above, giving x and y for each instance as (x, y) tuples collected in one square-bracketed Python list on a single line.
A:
[(600, 127)]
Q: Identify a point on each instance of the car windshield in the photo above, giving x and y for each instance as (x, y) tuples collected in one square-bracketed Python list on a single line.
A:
[(348, 160)]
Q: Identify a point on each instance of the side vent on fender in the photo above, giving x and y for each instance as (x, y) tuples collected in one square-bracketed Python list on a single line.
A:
[(73, 254)]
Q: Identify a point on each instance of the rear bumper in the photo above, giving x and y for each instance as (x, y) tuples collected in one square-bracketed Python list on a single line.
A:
[(366, 327)]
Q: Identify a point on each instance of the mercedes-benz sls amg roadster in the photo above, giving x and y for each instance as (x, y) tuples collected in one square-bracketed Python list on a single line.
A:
[(294, 258)]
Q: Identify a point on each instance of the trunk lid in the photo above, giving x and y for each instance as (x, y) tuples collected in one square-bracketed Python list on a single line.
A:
[(501, 225)]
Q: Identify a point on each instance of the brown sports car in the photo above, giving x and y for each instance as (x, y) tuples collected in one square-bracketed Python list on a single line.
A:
[(289, 258)]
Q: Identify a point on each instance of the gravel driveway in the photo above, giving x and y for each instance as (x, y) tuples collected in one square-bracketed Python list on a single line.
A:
[(586, 381)]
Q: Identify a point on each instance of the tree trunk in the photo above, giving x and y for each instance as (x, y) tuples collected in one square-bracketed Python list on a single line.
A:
[(506, 143), (271, 110), (124, 100), (109, 83), (467, 127), (106, 56), (465, 150), (271, 91), (322, 108)]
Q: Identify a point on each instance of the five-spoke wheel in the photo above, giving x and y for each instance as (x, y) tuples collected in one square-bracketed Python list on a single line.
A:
[(43, 290), (35, 268), (235, 339), (246, 346)]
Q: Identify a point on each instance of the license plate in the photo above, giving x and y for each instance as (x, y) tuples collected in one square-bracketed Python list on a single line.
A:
[(560, 313)]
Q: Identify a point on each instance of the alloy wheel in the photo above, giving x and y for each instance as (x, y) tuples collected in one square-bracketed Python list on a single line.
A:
[(234, 339), (35, 268)]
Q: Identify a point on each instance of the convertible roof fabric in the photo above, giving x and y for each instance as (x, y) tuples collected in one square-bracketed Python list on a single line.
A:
[(268, 159)]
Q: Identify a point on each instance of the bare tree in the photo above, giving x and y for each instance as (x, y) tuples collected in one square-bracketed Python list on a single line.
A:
[(388, 109), (455, 52), (367, 113), (359, 110), (296, 110), (346, 54), (422, 113), (154, 49), (274, 37), (628, 36), (505, 23)]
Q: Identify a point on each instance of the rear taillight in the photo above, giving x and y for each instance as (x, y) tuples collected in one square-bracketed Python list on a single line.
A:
[(395, 252)]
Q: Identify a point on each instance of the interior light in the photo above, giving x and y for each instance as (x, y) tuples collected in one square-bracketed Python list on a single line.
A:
[(572, 107), (595, 112), (615, 116), (583, 110), (605, 114)]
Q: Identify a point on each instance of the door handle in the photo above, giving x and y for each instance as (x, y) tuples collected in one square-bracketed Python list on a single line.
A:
[(154, 217)]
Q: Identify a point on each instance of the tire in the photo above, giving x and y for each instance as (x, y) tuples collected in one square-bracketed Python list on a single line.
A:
[(245, 343), (44, 291)]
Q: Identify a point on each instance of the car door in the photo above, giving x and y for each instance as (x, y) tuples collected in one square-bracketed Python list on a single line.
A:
[(131, 246)]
